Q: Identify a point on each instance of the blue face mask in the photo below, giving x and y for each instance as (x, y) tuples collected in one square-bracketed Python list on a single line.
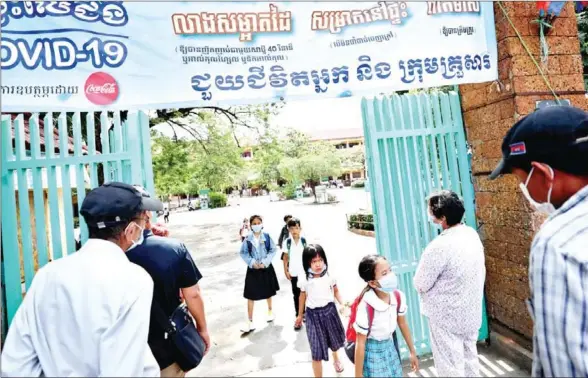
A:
[(257, 228), (388, 283)]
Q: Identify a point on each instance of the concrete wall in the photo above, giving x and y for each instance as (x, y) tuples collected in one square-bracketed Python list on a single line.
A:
[(489, 110)]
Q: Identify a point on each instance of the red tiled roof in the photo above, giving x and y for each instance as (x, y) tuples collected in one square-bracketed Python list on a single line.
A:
[(336, 134), (27, 134)]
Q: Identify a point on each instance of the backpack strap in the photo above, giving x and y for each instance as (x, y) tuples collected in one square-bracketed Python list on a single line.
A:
[(371, 313), (250, 247), (303, 240), (397, 296), (267, 242), (288, 245)]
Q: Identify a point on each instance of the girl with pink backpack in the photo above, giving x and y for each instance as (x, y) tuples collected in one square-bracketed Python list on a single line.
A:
[(379, 311)]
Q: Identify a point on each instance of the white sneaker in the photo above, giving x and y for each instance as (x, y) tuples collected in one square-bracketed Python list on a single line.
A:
[(248, 327), (270, 316)]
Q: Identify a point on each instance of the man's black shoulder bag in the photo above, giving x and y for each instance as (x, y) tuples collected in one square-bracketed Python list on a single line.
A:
[(181, 331)]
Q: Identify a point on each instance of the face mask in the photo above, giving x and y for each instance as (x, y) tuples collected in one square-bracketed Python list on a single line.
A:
[(138, 241), (321, 272), (257, 228), (388, 283), (545, 207)]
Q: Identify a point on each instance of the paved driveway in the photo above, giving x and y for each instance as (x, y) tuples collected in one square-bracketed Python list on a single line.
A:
[(275, 349)]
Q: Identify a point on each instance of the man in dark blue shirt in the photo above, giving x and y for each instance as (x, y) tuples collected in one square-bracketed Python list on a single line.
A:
[(169, 263)]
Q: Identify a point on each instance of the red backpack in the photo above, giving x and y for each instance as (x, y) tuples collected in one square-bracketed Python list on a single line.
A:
[(351, 334)]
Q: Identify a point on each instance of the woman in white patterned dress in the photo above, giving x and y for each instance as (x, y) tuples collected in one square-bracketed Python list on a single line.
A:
[(450, 280)]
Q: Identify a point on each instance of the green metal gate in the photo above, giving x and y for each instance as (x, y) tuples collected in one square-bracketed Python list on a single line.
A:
[(415, 143), (48, 164)]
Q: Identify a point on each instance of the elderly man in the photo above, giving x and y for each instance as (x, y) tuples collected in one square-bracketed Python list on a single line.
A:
[(87, 314), (548, 152), (170, 264)]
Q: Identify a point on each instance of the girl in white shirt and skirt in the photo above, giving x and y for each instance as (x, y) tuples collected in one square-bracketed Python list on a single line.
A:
[(375, 352), (323, 324)]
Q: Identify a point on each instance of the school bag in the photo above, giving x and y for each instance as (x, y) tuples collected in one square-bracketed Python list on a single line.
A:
[(289, 245), (351, 334), (267, 244)]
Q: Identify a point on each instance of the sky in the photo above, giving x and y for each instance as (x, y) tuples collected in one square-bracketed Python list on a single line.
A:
[(335, 113), (309, 115)]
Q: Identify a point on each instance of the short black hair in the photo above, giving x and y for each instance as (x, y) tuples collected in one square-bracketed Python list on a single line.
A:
[(254, 217), (293, 222), (287, 218), (367, 267), (310, 252), (446, 203), (110, 233)]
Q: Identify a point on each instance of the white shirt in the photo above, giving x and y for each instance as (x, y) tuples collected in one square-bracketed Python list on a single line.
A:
[(295, 267), (385, 315), (450, 280), (319, 291), (85, 315)]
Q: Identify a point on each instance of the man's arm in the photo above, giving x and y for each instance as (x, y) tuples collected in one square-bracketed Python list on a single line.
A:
[(195, 304), (123, 349), (19, 358), (188, 278)]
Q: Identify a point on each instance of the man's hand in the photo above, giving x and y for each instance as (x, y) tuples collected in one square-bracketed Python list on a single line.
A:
[(206, 338), (288, 276)]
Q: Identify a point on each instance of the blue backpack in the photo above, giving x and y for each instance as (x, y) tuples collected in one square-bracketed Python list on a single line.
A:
[(267, 244)]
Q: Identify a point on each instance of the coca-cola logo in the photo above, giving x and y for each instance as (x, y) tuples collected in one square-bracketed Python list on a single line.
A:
[(101, 88)]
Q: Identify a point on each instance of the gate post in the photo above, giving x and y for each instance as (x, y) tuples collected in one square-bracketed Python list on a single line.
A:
[(490, 109)]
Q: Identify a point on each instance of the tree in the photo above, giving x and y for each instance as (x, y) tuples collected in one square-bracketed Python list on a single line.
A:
[(352, 159), (313, 161), (170, 160)]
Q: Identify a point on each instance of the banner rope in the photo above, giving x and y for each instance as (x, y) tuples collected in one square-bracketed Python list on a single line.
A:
[(545, 79)]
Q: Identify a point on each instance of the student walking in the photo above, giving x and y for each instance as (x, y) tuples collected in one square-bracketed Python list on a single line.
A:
[(284, 234), (378, 315), (323, 324), (292, 256), (245, 230), (166, 215), (261, 281)]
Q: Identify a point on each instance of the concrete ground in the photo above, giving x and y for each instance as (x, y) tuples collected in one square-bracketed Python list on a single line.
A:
[(275, 349)]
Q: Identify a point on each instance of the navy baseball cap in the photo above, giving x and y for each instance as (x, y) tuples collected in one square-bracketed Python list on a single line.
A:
[(115, 202), (557, 135)]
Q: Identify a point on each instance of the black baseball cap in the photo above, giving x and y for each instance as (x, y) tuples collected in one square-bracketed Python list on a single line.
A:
[(556, 135), (115, 202)]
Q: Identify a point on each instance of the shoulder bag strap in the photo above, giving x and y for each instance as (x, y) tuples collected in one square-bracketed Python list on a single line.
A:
[(162, 319)]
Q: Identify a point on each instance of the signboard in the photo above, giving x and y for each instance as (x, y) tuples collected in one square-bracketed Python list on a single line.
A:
[(92, 55), (547, 103)]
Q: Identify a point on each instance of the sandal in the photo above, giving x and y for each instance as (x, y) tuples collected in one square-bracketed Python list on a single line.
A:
[(338, 367)]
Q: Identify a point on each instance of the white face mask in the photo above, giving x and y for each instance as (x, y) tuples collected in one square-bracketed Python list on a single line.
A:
[(545, 207), (139, 241)]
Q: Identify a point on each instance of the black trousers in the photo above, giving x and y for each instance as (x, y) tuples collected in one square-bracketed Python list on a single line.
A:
[(295, 293)]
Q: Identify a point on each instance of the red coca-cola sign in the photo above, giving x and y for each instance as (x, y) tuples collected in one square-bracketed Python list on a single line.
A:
[(101, 88)]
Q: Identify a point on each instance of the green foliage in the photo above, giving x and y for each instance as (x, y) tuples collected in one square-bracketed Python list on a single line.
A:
[(361, 222), (289, 191), (352, 159), (217, 200)]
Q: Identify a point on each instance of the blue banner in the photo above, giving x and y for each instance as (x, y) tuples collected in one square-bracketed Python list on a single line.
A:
[(94, 55)]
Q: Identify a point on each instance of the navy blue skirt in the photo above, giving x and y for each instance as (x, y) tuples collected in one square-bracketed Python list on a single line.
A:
[(324, 330), (261, 283)]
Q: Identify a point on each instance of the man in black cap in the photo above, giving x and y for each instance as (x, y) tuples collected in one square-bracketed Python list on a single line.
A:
[(548, 152), (170, 265), (87, 314)]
